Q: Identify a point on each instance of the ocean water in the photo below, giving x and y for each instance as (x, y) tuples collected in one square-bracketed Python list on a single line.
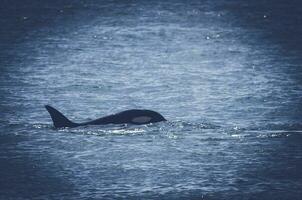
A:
[(226, 75)]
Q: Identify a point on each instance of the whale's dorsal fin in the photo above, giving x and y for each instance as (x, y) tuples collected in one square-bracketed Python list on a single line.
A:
[(59, 120)]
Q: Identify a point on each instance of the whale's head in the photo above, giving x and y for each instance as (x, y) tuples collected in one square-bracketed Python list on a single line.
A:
[(157, 118), (148, 116)]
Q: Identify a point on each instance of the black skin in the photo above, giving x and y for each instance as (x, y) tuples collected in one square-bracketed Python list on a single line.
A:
[(125, 117)]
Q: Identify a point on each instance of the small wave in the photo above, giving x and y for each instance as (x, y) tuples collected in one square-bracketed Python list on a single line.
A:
[(177, 129), (279, 134), (277, 130), (41, 126), (267, 131), (125, 129), (106, 130), (192, 125), (278, 127)]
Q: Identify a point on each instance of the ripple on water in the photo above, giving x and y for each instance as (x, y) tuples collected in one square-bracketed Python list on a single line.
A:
[(231, 93)]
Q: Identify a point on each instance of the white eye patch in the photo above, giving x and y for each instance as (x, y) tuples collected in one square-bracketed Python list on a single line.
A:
[(142, 119)]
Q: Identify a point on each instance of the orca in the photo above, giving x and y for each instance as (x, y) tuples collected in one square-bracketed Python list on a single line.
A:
[(134, 116)]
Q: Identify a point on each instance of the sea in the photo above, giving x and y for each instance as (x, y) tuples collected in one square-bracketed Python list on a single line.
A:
[(226, 74)]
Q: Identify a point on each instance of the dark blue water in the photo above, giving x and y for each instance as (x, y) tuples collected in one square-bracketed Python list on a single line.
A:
[(226, 75)]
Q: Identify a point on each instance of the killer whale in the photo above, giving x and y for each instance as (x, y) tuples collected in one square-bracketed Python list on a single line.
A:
[(134, 116)]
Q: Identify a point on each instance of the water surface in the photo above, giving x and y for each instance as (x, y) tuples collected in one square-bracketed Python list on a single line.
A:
[(222, 73)]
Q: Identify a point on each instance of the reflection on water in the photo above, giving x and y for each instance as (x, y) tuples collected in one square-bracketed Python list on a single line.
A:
[(232, 97)]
